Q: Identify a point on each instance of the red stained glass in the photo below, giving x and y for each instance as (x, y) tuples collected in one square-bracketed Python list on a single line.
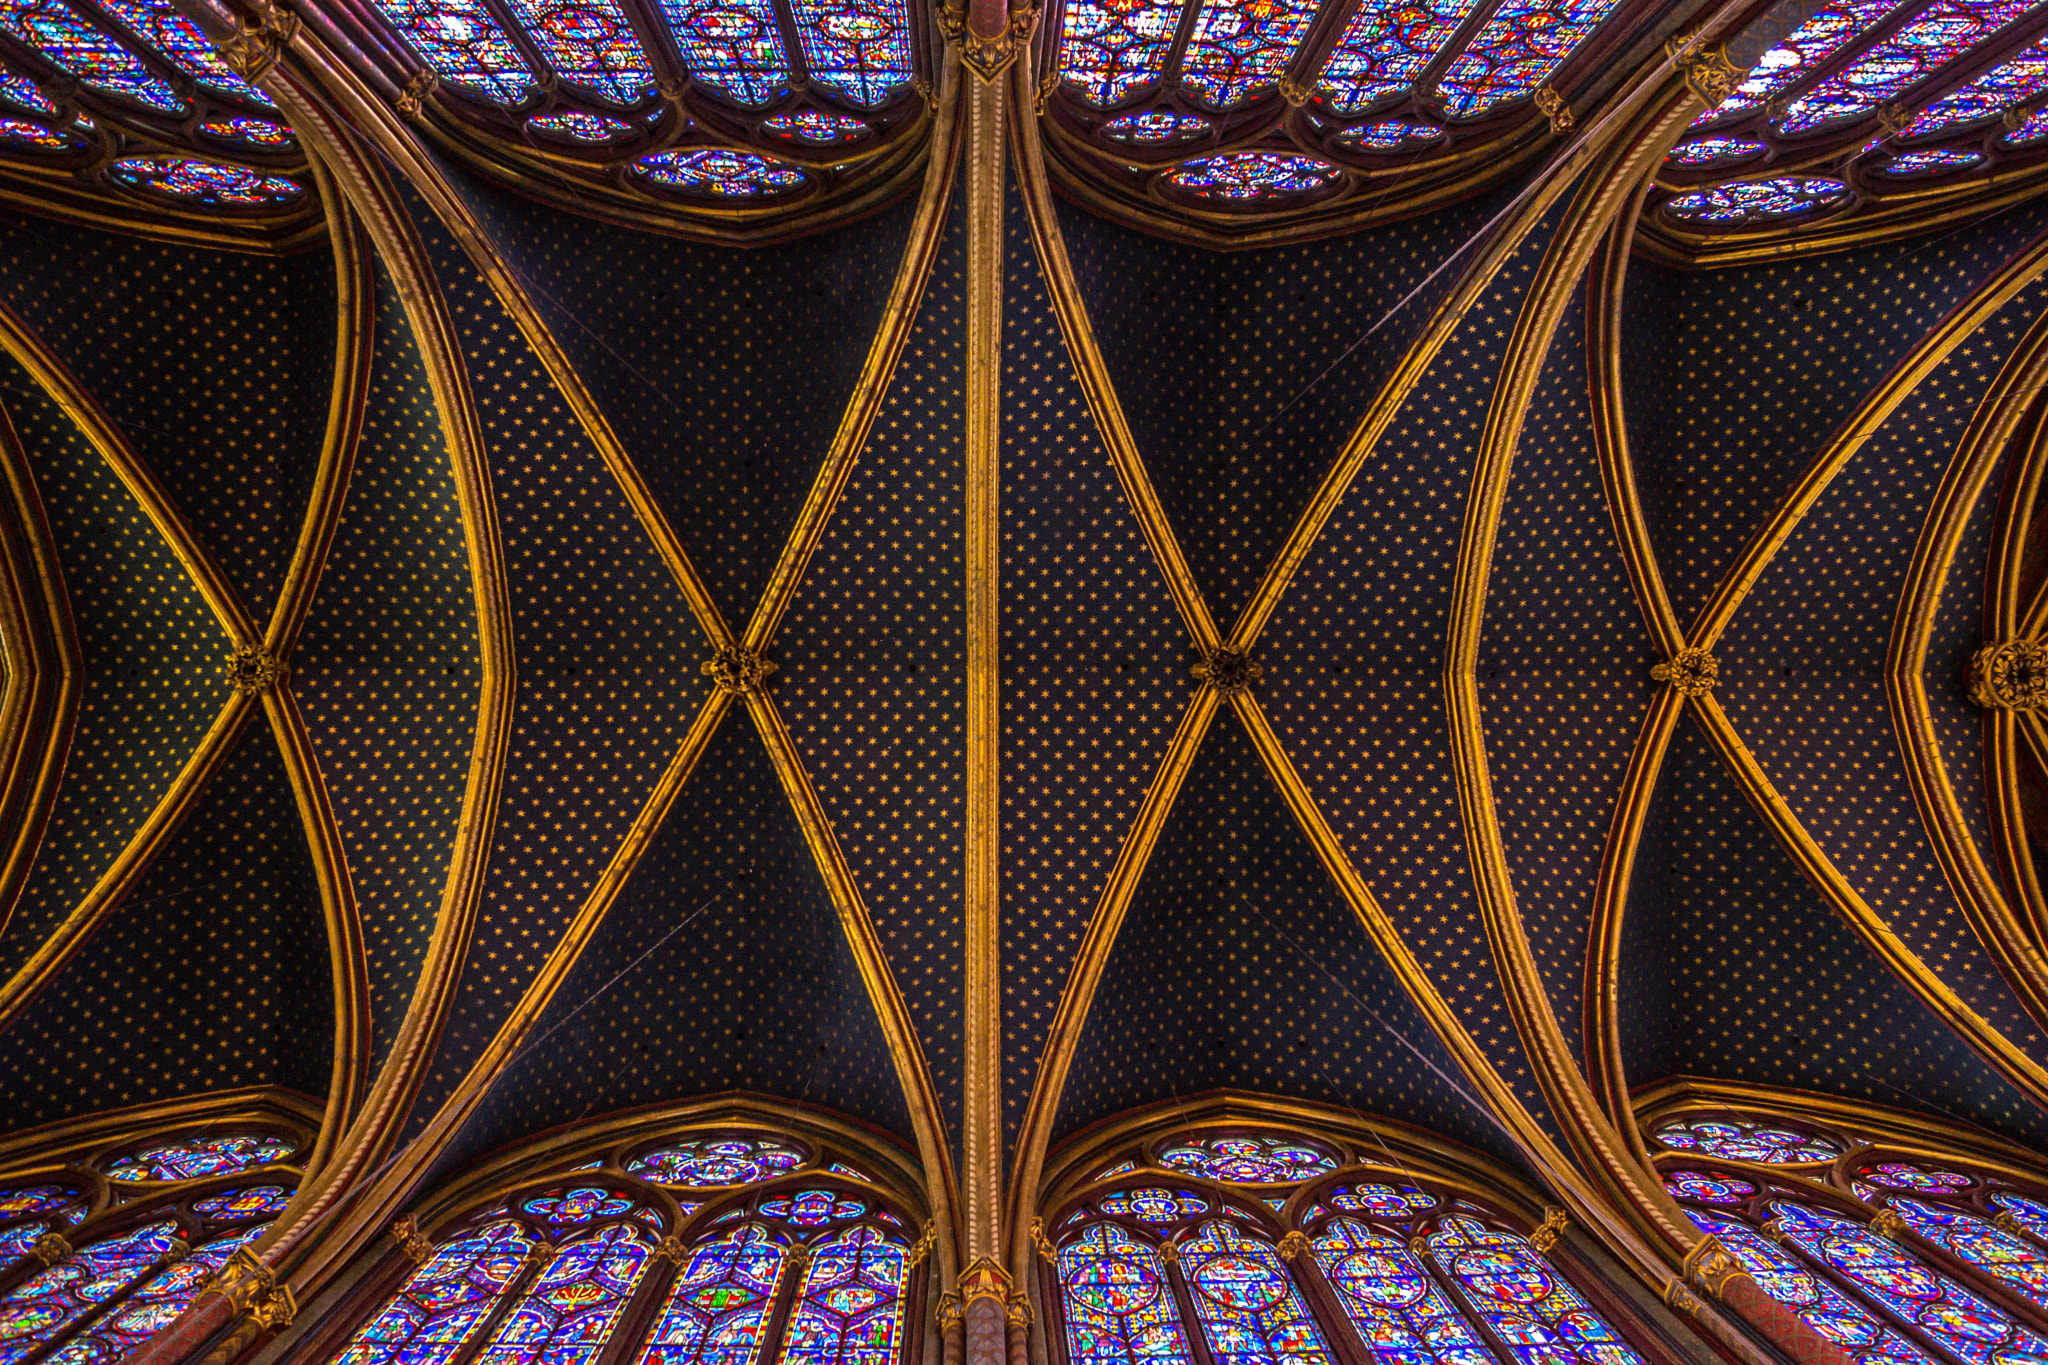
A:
[(445, 1301)]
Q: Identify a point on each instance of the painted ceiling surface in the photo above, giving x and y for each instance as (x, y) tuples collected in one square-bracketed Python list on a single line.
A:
[(1192, 670)]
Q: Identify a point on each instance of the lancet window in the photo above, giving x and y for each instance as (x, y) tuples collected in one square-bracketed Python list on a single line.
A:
[(1242, 1245), (1896, 1253), (718, 1247), (99, 1253)]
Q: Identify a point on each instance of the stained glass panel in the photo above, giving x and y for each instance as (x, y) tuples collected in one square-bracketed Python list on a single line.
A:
[(1108, 48), (580, 126), (2033, 130), (206, 184), (566, 1209), (850, 1308), (1930, 162), (719, 1304), (1738, 205), (808, 125), (814, 1208), (1824, 1308), (1947, 1312), (1388, 135), (1119, 1310), (2002, 86), (733, 46), (1900, 1175), (721, 174), (1121, 1168), (250, 132), (716, 1162), (154, 1306), (1246, 176), (1239, 46), (463, 41), (1153, 1206), (98, 59), (261, 1201), (590, 42), (1530, 1307), (158, 23), (1252, 1160), (444, 1302), (17, 1241), (1943, 31), (1401, 1315), (1386, 43), (1998, 1254), (1250, 1311), (25, 1201), (568, 1315), (1516, 51), (47, 1303), (22, 91), (2030, 1214), (1708, 1187), (1388, 1201), (857, 48), (1707, 151), (194, 1158), (1812, 43)]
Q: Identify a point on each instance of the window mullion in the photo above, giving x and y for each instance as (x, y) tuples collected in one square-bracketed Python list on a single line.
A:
[(536, 1265), (1816, 1266), (1324, 1303), (1184, 1299), (636, 1320), (1966, 1272), (180, 1249), (1425, 1256), (796, 1263)]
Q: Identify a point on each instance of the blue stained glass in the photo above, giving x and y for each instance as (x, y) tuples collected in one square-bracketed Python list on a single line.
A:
[(1239, 46), (1540, 1317), (1941, 32), (849, 1310), (1236, 1159), (250, 132), (1709, 1187), (1709, 151), (814, 1208), (1946, 1311), (1389, 135), (194, 1158), (590, 42), (22, 91), (2033, 130), (1119, 1310), (154, 1306), (17, 1241), (721, 174), (2030, 1214), (1997, 89), (102, 62), (444, 1302), (1755, 201), (579, 126), (158, 23), (1516, 51), (718, 1163), (568, 1315), (24, 1201), (1387, 1201), (1930, 162), (858, 48), (1153, 1206), (261, 1201), (1250, 1311), (1121, 1168), (719, 1304), (1248, 176), (1813, 42), (574, 1208), (1108, 48), (46, 1304), (1824, 1308), (1900, 1175), (204, 184), (1386, 43), (732, 46), (463, 41), (841, 1168), (1998, 1254), (808, 125), (1403, 1318)]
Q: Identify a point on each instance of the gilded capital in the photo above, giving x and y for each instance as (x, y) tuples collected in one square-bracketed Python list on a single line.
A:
[(1886, 1223), (50, 1249), (1708, 72), (1293, 1245), (244, 1281), (1709, 1267), (406, 1233), (1042, 1243), (1552, 106), (412, 100), (1017, 1309), (2010, 675), (988, 58), (984, 1280), (738, 670), (926, 1240), (1545, 1236), (1692, 671)]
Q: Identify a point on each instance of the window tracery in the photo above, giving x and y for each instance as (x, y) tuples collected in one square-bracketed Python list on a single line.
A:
[(99, 1253), (1893, 1253), (1261, 1246)]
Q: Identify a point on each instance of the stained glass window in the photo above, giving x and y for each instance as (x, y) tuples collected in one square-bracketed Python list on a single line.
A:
[(1944, 30), (22, 91), (722, 174), (841, 1168), (1384, 46), (1239, 46), (580, 126), (1813, 42), (858, 48), (1516, 51), (261, 1201), (1819, 1304), (1998, 1254), (1949, 1314), (251, 132), (1529, 1306), (733, 46), (97, 58), (808, 125), (17, 1241), (1252, 1160), (1388, 135), (565, 1210), (1930, 162), (718, 1307), (154, 1306), (1709, 1187), (1119, 1310), (1152, 1206), (568, 1315), (1108, 48), (1899, 1175), (590, 42), (1707, 151), (1247, 176), (1403, 1318), (814, 1208), (2030, 1214), (1250, 1311), (158, 23), (46, 1304), (463, 41), (194, 1158), (1736, 205), (716, 1162), (1991, 93), (26, 1201), (850, 1308), (204, 183), (1121, 1168), (444, 1302), (1388, 1201)]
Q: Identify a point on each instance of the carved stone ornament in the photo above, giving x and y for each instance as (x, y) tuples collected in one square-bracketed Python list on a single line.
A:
[(1692, 671), (406, 1233), (1708, 72), (1042, 1243), (2005, 1222), (1775, 1230), (1682, 1300), (1229, 671), (1293, 1245), (1709, 1267), (253, 670), (951, 1310), (1296, 95), (1554, 1222), (412, 100), (255, 47), (671, 1249), (988, 58), (1893, 117), (276, 1311), (1169, 1252), (1017, 1310), (738, 670), (1887, 1224), (984, 1280), (244, 1281), (1553, 107), (50, 1249), (922, 1247), (2011, 675)]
